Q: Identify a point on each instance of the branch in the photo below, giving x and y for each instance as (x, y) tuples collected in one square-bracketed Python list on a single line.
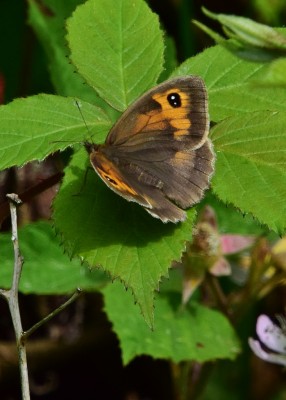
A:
[(27, 333), (12, 298), (30, 193)]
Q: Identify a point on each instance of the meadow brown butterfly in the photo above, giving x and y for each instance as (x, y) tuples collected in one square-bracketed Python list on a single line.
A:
[(158, 153)]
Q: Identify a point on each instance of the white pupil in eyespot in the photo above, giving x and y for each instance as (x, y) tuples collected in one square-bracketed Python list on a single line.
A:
[(110, 180)]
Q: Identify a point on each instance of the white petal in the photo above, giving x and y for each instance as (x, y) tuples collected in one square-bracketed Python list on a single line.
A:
[(270, 357), (270, 334)]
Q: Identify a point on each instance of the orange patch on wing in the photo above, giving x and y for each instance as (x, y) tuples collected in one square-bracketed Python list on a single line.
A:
[(181, 132), (110, 174), (156, 126), (159, 120), (177, 117), (178, 112), (141, 122), (150, 122), (168, 112), (181, 157), (182, 127), (112, 178), (181, 123)]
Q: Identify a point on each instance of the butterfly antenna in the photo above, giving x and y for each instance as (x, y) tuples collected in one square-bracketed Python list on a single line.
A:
[(79, 109)]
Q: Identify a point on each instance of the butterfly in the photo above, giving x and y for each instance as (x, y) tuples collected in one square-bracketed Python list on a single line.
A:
[(158, 153)]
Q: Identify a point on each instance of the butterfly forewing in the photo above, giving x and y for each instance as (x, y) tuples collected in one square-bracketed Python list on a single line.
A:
[(155, 118)]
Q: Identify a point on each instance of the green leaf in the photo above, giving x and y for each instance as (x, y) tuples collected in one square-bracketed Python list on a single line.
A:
[(249, 32), (46, 269), (120, 236), (117, 46), (275, 74), (32, 127), (170, 56), (247, 52), (231, 84), (48, 23), (250, 165), (193, 333)]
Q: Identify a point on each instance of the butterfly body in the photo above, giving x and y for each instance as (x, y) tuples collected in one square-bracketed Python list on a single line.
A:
[(158, 153)]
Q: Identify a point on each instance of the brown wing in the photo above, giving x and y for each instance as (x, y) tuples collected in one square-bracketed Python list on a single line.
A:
[(175, 181), (177, 109), (158, 153)]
